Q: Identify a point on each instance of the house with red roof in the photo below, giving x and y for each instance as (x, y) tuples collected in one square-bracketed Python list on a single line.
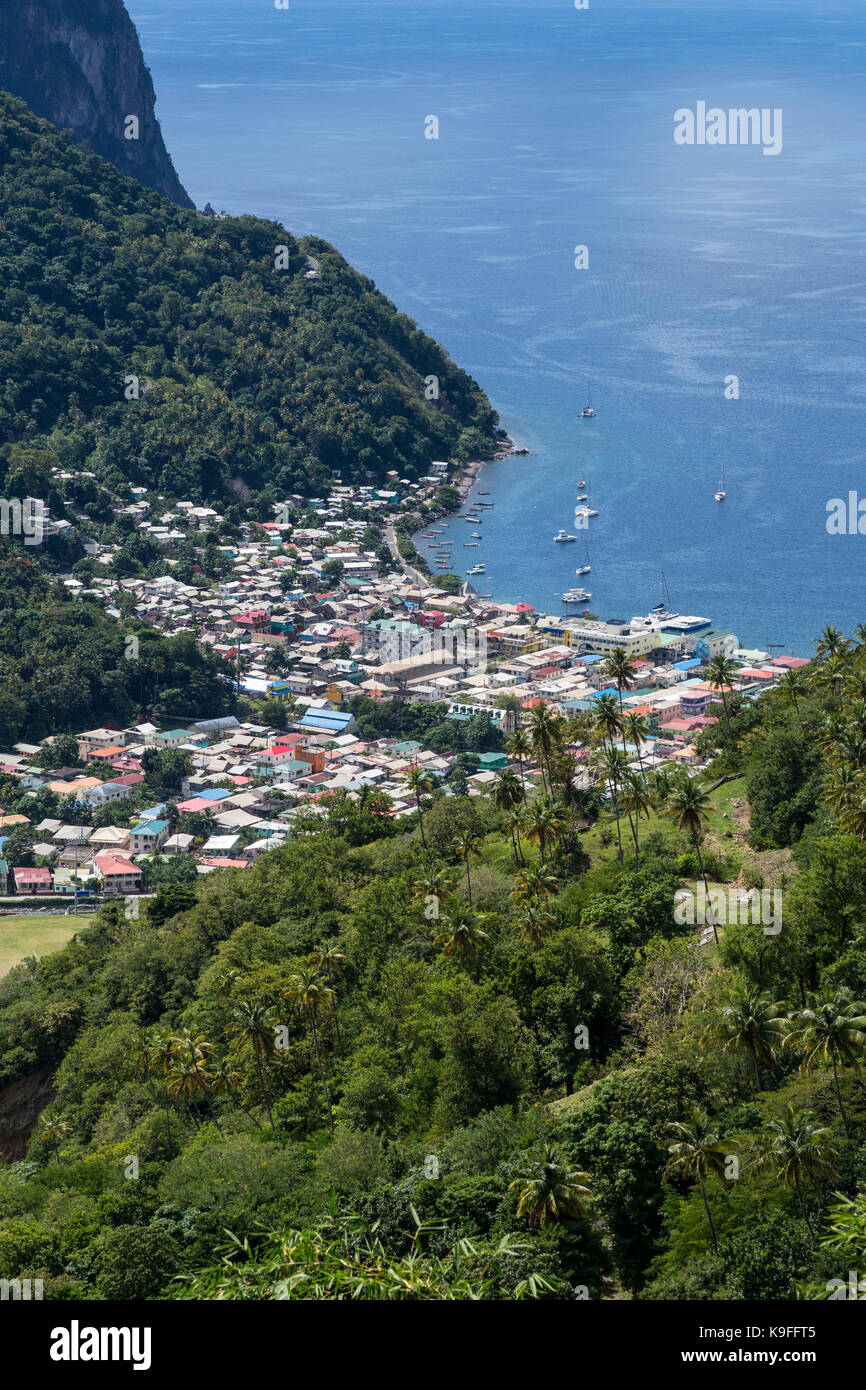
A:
[(32, 881), (253, 620), (116, 873)]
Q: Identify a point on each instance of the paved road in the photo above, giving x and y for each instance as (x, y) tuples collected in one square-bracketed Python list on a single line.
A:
[(415, 575)]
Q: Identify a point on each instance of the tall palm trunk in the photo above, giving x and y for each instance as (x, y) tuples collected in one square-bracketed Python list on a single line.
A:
[(725, 708), (321, 1070), (264, 1090), (613, 786), (709, 1217), (839, 1099), (514, 847), (758, 1078), (633, 824), (805, 1214), (706, 887), (206, 1094)]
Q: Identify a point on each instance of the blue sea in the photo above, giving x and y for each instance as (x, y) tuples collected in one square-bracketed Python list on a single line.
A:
[(705, 261)]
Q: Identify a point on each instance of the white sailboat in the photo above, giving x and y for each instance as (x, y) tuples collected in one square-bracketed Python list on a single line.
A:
[(583, 512), (585, 567), (588, 413), (721, 494)]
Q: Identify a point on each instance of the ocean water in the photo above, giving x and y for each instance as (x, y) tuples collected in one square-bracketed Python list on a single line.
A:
[(556, 130)]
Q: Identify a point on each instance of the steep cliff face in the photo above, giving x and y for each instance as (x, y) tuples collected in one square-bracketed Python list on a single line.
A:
[(79, 64)]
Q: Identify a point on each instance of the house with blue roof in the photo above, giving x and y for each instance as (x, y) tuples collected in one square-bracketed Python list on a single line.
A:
[(328, 721), (148, 836)]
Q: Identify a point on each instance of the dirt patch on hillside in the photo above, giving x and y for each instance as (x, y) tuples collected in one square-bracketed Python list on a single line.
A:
[(21, 1103)]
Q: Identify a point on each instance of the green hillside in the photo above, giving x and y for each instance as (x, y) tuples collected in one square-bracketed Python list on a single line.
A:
[(258, 367), (551, 1086)]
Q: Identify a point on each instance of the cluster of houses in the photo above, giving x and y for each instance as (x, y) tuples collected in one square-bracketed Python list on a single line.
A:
[(249, 783), (312, 619)]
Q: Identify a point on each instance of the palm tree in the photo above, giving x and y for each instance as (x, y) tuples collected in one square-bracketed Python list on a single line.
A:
[(460, 933), (795, 1148), (508, 794), (542, 824), (159, 1051), (53, 1129), (465, 846), (832, 674), (255, 1024), (636, 731), (638, 802), (226, 1077), (550, 1190), (606, 719), (832, 642), (720, 673), (854, 817), (843, 788), (575, 801), (517, 826), (622, 672), (243, 662), (793, 686), (533, 883), (535, 923), (832, 1028), (330, 959), (859, 649), (420, 783), (689, 805), (696, 1151), (544, 730), (613, 766), (833, 650), (751, 1023), (190, 1052), (518, 746), (435, 882), (307, 989)]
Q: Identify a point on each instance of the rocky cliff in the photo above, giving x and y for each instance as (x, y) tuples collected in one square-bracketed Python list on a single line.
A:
[(79, 64)]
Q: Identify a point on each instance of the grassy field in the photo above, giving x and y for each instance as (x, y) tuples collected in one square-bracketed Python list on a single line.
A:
[(22, 934)]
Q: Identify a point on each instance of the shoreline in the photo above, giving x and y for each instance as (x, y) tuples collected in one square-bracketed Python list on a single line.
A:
[(463, 484)]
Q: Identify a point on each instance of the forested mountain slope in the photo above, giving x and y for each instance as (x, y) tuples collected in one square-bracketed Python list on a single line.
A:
[(261, 361)]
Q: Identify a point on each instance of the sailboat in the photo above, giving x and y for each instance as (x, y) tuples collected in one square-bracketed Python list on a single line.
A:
[(587, 413), (585, 567), (721, 494), (584, 509)]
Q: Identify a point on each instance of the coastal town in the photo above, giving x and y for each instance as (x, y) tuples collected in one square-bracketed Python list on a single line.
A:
[(327, 605)]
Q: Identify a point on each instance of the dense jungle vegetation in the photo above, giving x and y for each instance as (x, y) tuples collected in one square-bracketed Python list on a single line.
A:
[(479, 1053)]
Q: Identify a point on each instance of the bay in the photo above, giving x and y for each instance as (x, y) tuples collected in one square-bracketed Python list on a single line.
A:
[(556, 130)]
